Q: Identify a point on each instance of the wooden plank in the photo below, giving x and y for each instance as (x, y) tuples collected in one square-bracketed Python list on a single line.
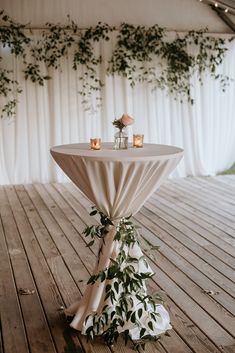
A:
[(48, 249), (229, 180), (189, 333), (197, 233), (67, 289), (192, 289), (80, 204), (185, 261), (71, 257), (77, 240), (201, 254), (12, 325), (210, 327), (202, 232), (1, 335), (213, 202), (62, 233), (38, 333), (223, 233), (50, 295), (223, 183), (47, 288), (209, 222), (190, 197), (204, 198), (200, 317), (183, 217), (1, 346), (182, 198), (216, 190), (56, 215)]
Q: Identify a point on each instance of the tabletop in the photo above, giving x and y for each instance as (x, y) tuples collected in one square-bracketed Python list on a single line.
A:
[(148, 152)]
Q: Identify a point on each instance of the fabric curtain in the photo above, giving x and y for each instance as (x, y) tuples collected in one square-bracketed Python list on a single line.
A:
[(53, 115)]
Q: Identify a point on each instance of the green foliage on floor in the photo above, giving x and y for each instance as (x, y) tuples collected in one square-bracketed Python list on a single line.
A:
[(229, 171)]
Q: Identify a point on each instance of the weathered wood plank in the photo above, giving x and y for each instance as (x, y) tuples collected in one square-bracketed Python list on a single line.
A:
[(200, 317), (72, 261), (185, 261), (12, 325), (216, 190), (61, 233), (217, 228), (183, 218), (209, 200), (186, 329), (228, 180), (195, 235), (52, 273), (193, 291), (38, 332), (203, 204), (197, 253)]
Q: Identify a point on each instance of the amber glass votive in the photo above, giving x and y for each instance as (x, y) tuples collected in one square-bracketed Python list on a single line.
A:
[(95, 143), (138, 140)]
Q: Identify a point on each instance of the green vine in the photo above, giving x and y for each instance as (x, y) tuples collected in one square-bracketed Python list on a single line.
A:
[(141, 54), (13, 38), (125, 300)]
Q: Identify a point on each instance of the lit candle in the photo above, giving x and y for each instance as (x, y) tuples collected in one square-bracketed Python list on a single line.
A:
[(95, 143), (138, 140)]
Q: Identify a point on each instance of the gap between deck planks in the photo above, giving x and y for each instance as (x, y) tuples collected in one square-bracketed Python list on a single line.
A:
[(42, 249)]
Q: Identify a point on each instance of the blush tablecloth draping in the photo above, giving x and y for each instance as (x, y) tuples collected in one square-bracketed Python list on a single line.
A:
[(118, 182)]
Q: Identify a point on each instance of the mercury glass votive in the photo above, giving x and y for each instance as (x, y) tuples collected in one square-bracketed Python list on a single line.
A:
[(95, 143), (138, 140)]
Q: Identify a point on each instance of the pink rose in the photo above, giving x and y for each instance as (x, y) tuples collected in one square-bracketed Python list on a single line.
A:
[(126, 120)]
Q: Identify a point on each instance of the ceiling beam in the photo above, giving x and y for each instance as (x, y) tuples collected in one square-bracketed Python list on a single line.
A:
[(222, 15)]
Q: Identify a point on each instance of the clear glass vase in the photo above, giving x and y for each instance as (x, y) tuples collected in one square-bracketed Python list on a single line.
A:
[(120, 140)]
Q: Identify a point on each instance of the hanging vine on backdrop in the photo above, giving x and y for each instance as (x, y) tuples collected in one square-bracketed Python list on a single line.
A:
[(141, 54)]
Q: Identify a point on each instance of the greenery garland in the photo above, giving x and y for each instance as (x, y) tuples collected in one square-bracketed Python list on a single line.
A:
[(125, 298), (142, 55)]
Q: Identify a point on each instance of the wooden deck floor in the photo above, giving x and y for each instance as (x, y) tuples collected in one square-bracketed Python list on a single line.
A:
[(44, 254)]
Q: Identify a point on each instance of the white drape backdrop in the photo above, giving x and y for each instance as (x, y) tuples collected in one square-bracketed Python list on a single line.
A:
[(53, 115)]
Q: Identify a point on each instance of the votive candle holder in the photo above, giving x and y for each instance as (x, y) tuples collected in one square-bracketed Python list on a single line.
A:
[(95, 143), (138, 140)]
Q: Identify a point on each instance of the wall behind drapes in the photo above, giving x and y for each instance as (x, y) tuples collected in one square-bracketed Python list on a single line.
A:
[(53, 115)]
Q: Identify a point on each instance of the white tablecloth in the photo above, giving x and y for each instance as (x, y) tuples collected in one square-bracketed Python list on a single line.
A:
[(118, 182)]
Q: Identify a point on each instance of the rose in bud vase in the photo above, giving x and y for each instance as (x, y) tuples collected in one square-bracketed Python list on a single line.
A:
[(121, 137)]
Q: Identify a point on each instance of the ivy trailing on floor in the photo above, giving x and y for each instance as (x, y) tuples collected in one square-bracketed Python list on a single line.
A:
[(141, 54)]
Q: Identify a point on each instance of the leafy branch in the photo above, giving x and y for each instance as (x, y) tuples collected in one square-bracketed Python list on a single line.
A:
[(126, 301), (141, 54)]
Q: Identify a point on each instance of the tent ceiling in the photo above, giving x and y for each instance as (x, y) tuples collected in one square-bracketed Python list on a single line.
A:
[(178, 15)]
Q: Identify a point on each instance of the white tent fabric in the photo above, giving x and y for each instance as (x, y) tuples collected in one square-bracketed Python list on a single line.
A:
[(180, 15), (53, 115)]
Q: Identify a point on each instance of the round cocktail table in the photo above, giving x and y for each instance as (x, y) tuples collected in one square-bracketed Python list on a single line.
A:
[(118, 182)]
